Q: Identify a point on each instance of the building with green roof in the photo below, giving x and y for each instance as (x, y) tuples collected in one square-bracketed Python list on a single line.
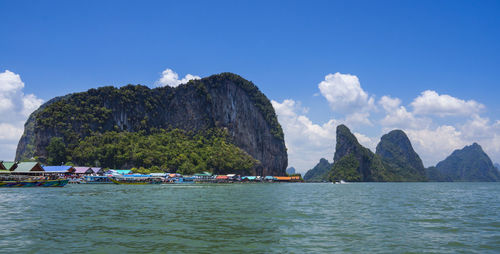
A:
[(9, 165), (28, 167)]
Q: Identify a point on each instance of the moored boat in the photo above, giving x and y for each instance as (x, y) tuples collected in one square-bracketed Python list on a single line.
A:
[(35, 183), (129, 181)]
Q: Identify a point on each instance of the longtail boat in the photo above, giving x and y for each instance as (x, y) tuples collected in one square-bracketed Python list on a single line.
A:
[(135, 182), (35, 183)]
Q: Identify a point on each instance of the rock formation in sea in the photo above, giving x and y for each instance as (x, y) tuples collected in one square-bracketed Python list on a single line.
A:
[(225, 101), (395, 159), (320, 172), (353, 162), (399, 158), (468, 164), (290, 170)]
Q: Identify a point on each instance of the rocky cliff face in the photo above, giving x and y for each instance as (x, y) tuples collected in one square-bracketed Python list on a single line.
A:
[(352, 161), (394, 161), (468, 164), (399, 158), (224, 101), (320, 172)]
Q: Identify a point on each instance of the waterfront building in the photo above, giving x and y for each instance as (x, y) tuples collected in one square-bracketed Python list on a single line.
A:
[(269, 178), (119, 172), (59, 169), (9, 165), (287, 178), (28, 168), (83, 171), (98, 171)]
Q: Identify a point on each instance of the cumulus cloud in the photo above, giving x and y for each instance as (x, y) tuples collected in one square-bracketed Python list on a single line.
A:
[(368, 142), (344, 93), (435, 144), (431, 103), (306, 141), (171, 78), (15, 107), (389, 104), (422, 121), (397, 116), (433, 141)]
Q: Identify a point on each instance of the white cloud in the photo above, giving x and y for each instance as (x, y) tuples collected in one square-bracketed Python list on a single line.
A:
[(15, 107), (368, 142), (358, 119), (171, 78), (435, 144), (432, 139), (397, 116), (306, 141), (344, 93), (389, 103), (431, 103), (10, 132)]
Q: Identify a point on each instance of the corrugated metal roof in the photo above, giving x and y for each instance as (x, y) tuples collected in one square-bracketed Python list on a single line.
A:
[(83, 170), (58, 168), (121, 171), (97, 170), (203, 174), (27, 167), (8, 164)]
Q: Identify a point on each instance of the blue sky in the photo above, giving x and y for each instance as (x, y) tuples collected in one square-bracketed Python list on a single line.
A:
[(394, 48)]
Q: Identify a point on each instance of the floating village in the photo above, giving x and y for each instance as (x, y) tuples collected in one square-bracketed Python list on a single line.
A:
[(33, 174)]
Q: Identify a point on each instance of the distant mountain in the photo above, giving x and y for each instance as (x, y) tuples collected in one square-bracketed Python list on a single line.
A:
[(399, 158), (319, 173), (468, 164), (497, 166), (394, 161), (290, 170)]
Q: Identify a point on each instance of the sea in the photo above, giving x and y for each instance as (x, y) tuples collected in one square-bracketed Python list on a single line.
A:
[(252, 218)]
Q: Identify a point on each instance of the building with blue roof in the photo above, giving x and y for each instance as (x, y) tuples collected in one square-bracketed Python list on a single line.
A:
[(59, 169)]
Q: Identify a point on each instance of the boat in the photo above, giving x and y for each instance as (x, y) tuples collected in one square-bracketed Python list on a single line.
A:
[(340, 182), (96, 180), (34, 183), (129, 181)]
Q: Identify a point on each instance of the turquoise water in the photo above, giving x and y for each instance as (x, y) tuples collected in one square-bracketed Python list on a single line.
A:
[(253, 218)]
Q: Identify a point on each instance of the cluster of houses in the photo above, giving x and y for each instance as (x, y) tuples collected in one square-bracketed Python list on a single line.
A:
[(35, 168), (237, 178), (91, 174)]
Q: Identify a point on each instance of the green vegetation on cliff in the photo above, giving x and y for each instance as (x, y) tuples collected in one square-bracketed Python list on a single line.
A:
[(225, 102), (395, 161), (399, 158), (174, 151), (369, 166), (346, 169)]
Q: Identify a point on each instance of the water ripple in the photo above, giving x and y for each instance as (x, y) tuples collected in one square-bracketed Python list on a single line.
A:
[(253, 218)]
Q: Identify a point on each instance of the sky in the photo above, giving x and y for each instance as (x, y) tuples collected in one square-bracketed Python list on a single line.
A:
[(429, 68)]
